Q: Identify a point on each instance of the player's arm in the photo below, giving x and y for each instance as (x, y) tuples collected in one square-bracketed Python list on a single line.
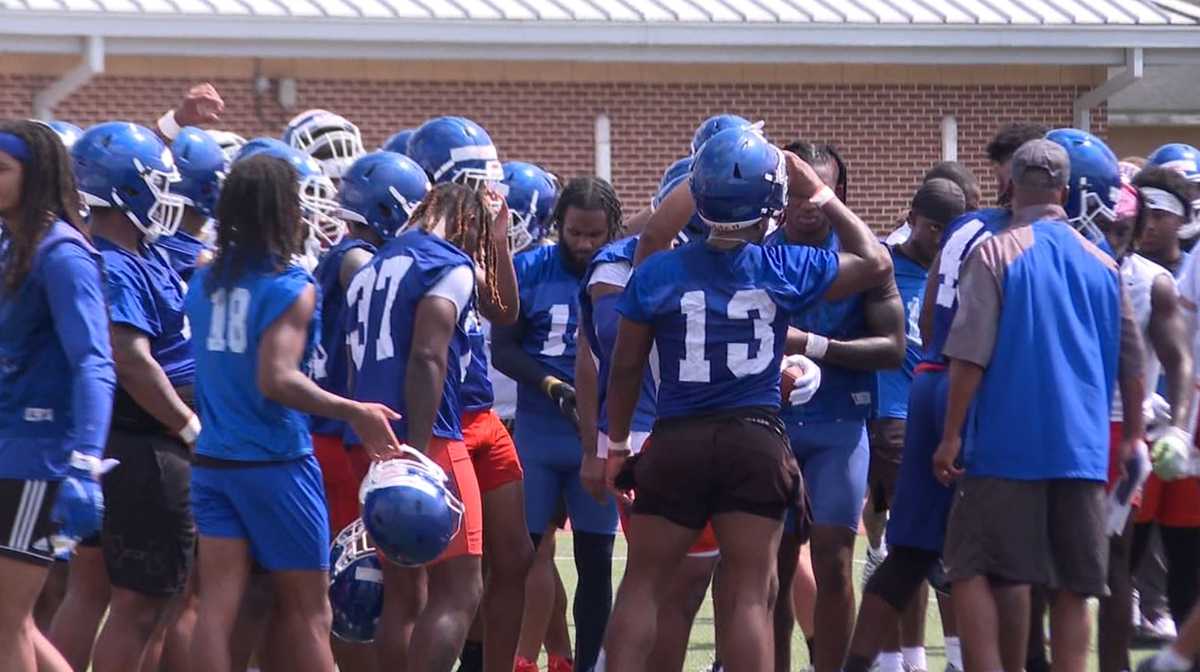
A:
[(637, 222), (666, 222), (630, 354), (279, 378), (506, 311), (883, 349), (201, 105), (1168, 337), (433, 327), (587, 396), (511, 359), (929, 299), (140, 375)]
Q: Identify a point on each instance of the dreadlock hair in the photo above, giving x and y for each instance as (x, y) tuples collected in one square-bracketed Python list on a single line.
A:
[(817, 154), (259, 221), (48, 192), (589, 193), (469, 226)]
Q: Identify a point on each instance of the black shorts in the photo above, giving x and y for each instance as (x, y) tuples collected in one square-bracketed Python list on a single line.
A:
[(149, 535), (886, 436), (25, 526), (701, 466)]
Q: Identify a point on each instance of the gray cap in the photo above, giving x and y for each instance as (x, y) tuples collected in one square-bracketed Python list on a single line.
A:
[(1041, 164)]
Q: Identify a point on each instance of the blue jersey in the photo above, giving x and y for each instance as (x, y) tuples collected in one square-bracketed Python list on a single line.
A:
[(241, 424), (381, 304), (549, 307), (144, 293), (476, 392), (962, 236), (56, 367), (331, 366), (599, 321), (181, 252), (891, 395), (720, 319), (845, 394)]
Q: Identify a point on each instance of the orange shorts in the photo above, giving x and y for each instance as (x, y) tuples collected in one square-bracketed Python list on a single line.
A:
[(492, 450), (1170, 503), (705, 545), (341, 487), (451, 456)]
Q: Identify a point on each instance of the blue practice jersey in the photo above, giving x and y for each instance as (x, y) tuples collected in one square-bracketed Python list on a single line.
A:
[(476, 392), (549, 307), (720, 319), (381, 306), (958, 240), (181, 252), (845, 394), (891, 395), (144, 293), (241, 424), (331, 365), (56, 367), (599, 321)]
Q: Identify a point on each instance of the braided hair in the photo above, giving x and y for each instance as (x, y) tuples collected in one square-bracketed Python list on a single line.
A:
[(469, 226), (589, 193), (258, 219), (48, 193)]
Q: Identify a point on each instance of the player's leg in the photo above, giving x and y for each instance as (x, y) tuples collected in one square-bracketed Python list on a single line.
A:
[(559, 650), (543, 508), (950, 638), (677, 611), (132, 620), (224, 564), (783, 617), (1114, 623), (20, 582), (747, 588), (593, 532), (912, 631), (804, 598), (405, 593), (539, 597), (1080, 556), (48, 658), (889, 593), (302, 618), (73, 630), (52, 595), (1181, 545)]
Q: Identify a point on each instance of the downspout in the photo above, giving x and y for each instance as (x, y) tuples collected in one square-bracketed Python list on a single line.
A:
[(1097, 96), (603, 138), (91, 65)]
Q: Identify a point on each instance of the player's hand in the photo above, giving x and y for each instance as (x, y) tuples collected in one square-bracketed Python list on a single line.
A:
[(805, 387), (563, 396), (945, 467), (201, 105), (79, 506), (592, 476), (612, 468), (1171, 454), (373, 425), (803, 181), (498, 206)]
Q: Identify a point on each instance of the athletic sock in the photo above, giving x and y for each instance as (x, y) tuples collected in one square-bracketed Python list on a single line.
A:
[(593, 595), (914, 657), (1169, 659), (954, 652), (890, 661), (471, 659)]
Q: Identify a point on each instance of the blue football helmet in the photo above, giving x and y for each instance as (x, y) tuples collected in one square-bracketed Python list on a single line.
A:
[(531, 194), (455, 149), (381, 190), (1095, 183), (355, 585), (408, 509), (67, 131), (329, 138), (202, 167), (125, 166), (398, 142), (737, 179), (713, 125), (317, 194)]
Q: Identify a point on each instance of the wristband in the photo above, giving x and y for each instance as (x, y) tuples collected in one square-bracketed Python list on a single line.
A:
[(190, 431), (84, 462), (170, 127), (822, 197), (619, 448), (816, 345)]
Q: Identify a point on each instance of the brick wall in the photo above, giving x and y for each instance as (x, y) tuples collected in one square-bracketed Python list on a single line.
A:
[(890, 133)]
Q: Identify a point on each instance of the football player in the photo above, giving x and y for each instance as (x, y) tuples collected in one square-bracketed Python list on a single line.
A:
[(202, 166), (539, 353), (407, 311), (849, 339), (54, 334), (329, 138), (256, 487), (717, 312)]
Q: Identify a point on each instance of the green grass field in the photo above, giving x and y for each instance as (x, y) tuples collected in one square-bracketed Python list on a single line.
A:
[(700, 649)]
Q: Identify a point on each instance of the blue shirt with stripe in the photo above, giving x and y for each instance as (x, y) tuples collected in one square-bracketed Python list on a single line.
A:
[(331, 366)]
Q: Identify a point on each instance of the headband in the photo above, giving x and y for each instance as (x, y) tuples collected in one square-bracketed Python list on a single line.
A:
[(14, 146), (1158, 199)]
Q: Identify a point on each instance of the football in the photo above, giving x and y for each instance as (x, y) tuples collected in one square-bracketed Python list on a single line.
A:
[(787, 381)]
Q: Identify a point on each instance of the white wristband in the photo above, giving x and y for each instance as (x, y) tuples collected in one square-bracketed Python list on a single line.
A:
[(190, 431), (88, 463), (168, 125), (618, 447), (822, 197), (816, 345)]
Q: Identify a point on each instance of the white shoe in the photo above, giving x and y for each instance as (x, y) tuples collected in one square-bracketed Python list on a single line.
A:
[(1136, 601), (1161, 629)]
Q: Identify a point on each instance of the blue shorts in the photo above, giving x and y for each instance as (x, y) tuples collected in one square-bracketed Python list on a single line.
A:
[(834, 458), (550, 455), (278, 507), (921, 504)]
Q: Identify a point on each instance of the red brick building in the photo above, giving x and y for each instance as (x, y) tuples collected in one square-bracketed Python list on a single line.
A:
[(897, 84)]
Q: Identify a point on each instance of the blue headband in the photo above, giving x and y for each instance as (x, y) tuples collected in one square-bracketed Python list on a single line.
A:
[(14, 147)]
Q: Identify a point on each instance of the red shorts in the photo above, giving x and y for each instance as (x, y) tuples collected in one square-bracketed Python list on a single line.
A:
[(451, 456), (341, 486), (1170, 503), (705, 545), (492, 450)]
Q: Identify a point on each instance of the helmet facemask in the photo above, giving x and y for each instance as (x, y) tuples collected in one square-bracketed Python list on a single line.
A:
[(162, 217), (1094, 214), (318, 203)]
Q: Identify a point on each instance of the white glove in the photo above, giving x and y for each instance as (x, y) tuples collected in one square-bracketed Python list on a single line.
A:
[(806, 386), (1171, 454), (1156, 412)]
